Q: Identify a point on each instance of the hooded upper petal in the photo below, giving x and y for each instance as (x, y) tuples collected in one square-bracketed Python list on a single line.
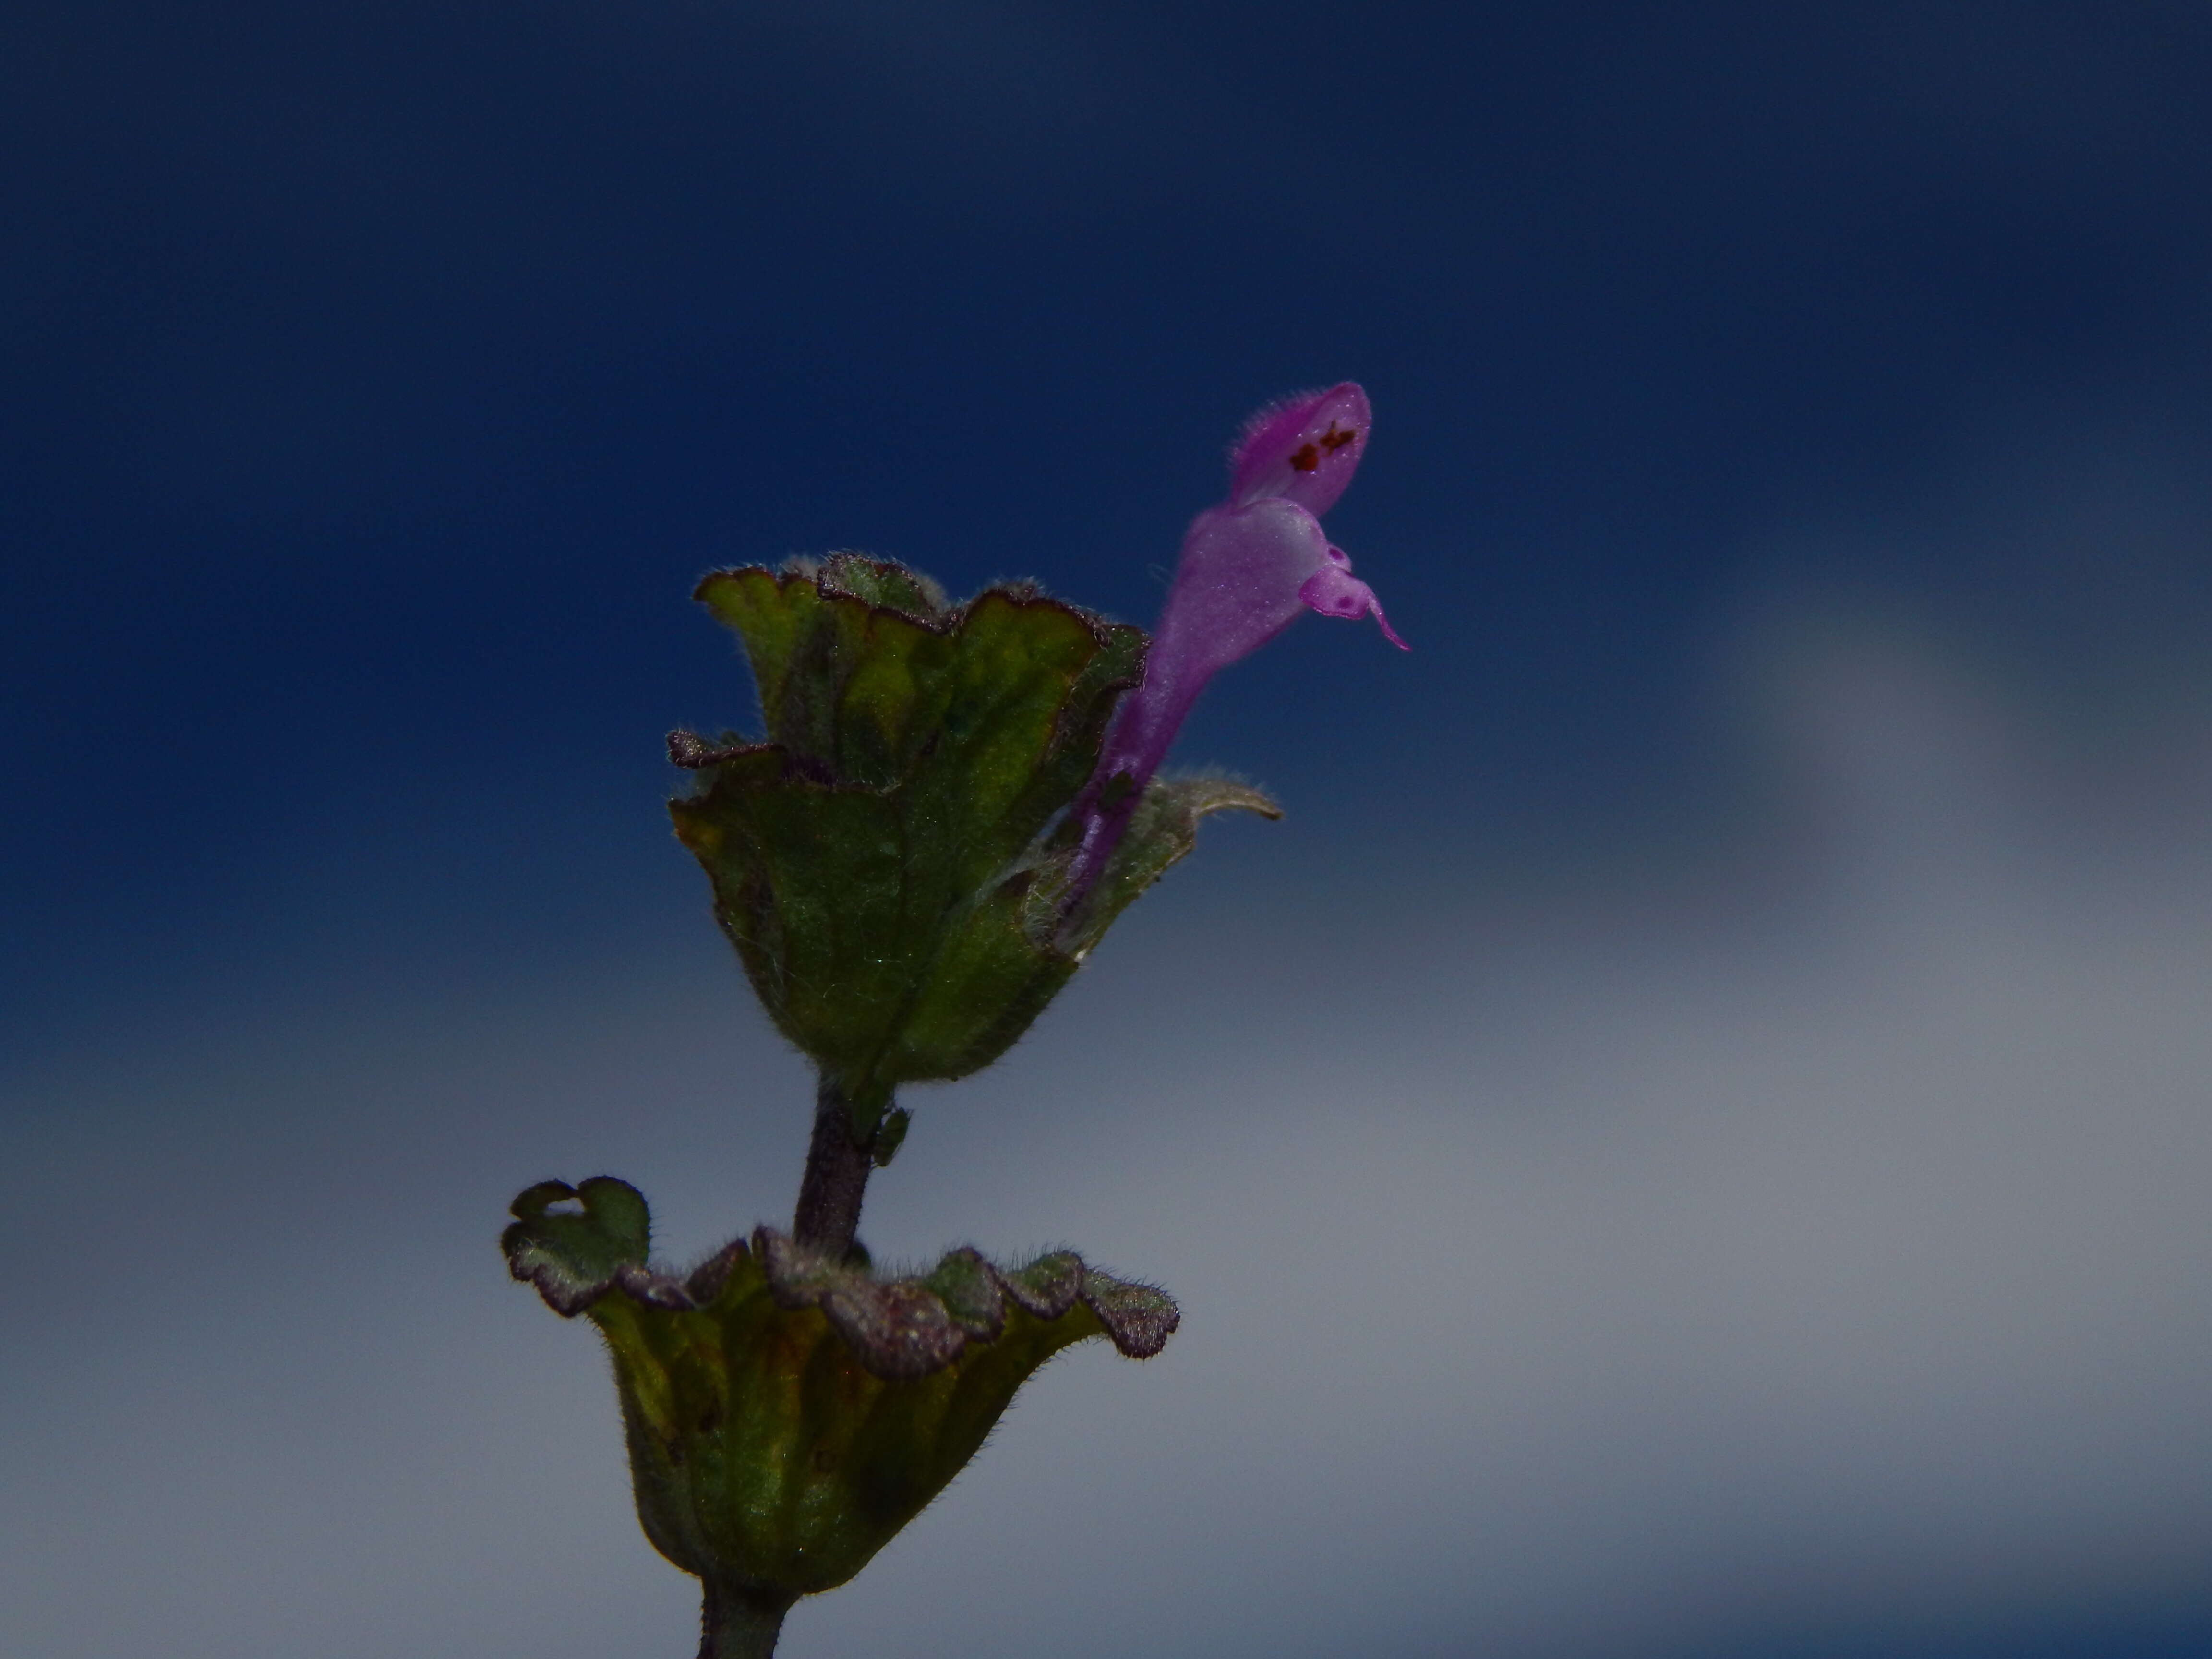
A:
[(1304, 449)]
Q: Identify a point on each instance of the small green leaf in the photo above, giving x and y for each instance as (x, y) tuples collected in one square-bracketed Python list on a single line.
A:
[(889, 1135), (572, 1256), (1164, 828)]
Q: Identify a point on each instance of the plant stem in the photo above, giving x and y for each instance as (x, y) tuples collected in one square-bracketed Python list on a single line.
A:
[(836, 1177), (734, 1625)]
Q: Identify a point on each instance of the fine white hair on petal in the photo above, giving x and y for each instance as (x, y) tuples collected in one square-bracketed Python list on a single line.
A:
[(1260, 418)]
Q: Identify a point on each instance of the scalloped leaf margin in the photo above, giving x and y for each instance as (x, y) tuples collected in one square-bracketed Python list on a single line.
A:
[(578, 1244)]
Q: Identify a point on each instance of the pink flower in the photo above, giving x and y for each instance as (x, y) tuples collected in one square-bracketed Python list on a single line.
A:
[(1248, 566)]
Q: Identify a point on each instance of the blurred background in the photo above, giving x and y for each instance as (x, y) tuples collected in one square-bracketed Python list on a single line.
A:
[(1690, 1141)]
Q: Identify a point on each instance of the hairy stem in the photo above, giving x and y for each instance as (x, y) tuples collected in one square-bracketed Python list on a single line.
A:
[(735, 1625), (836, 1177)]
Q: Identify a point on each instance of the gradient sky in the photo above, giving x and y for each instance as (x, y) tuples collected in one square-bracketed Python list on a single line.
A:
[(1689, 1140)]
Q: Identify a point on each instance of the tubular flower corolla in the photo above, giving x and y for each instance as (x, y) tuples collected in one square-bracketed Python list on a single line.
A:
[(1247, 568)]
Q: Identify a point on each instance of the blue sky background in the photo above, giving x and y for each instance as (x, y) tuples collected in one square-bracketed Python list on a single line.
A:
[(1689, 1140)]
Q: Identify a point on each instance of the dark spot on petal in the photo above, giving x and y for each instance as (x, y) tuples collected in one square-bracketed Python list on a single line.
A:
[(1307, 458), (1333, 439)]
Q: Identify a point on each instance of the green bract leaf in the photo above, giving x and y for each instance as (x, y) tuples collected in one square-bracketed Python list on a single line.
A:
[(873, 860), (787, 1413)]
